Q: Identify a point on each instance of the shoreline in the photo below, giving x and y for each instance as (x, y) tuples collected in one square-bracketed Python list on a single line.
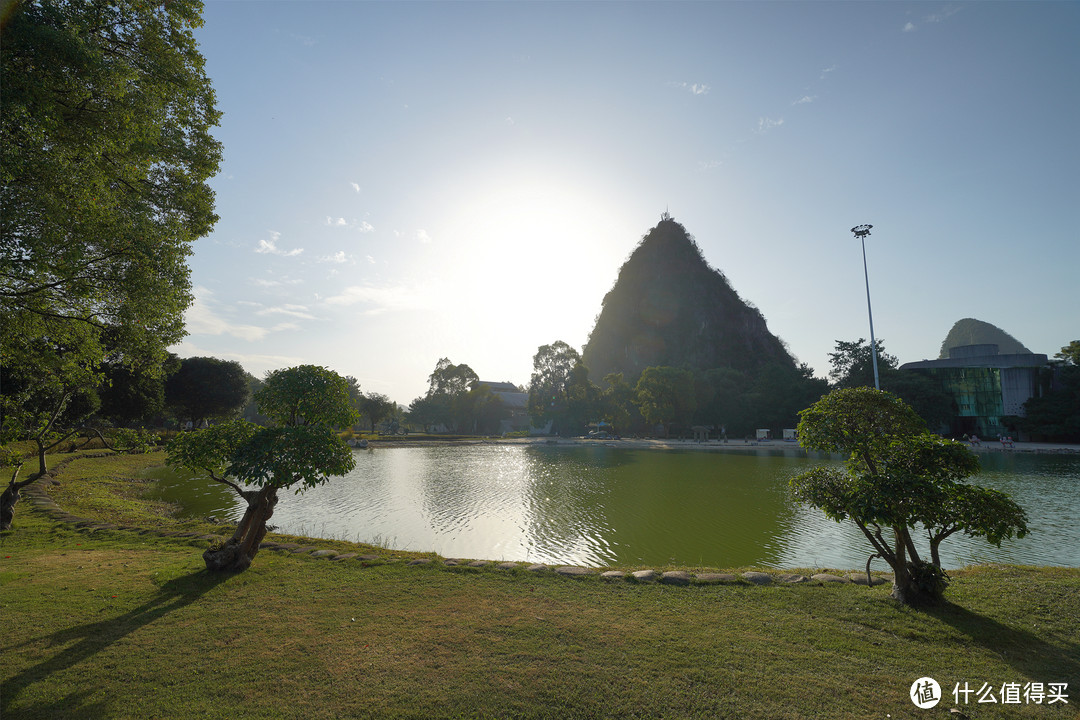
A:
[(706, 446)]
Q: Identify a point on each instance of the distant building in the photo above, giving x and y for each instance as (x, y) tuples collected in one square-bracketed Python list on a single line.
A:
[(985, 385), (515, 405)]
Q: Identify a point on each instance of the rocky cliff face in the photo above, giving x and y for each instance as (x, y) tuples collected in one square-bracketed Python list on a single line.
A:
[(668, 307)]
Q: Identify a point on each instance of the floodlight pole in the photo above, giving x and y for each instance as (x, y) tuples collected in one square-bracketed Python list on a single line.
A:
[(861, 231)]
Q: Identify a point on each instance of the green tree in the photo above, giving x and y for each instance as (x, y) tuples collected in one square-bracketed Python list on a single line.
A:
[(617, 403), (897, 479), (853, 363), (480, 409), (105, 153), (423, 411), (583, 400), (665, 395), (778, 392), (549, 386), (724, 400), (450, 379), (852, 366), (1070, 354), (206, 388), (445, 402), (130, 396), (376, 407), (1055, 413), (302, 449)]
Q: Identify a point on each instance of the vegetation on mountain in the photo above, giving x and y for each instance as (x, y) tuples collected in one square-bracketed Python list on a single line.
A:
[(969, 331), (668, 307)]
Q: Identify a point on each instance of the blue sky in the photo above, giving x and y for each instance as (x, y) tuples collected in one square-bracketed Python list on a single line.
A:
[(407, 181)]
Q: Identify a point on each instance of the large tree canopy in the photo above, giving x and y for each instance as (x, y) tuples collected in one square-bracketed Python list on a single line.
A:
[(105, 153), (105, 150), (207, 387)]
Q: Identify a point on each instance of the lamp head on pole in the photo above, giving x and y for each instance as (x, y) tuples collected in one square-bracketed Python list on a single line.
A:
[(861, 231)]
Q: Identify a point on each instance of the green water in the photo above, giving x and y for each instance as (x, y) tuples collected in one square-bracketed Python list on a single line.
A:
[(599, 506)]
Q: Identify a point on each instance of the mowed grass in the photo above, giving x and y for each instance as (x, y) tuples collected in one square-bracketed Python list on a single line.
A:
[(117, 624)]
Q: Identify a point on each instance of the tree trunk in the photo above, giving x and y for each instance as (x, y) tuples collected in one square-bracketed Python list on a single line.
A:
[(10, 497), (916, 583), (919, 584), (239, 550)]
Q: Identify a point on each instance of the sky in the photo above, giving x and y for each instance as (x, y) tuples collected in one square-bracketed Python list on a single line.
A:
[(406, 181)]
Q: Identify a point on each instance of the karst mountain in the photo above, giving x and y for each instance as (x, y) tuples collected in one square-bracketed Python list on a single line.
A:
[(668, 307), (969, 331)]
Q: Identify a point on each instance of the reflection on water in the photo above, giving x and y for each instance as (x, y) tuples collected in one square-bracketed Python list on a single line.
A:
[(597, 505)]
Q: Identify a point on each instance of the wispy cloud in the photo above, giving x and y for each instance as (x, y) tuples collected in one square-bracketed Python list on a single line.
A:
[(422, 236), (359, 225), (765, 124), (355, 186), (939, 17), (265, 283), (252, 362), (825, 72), (381, 299), (202, 319), (805, 99), (692, 88), (709, 164), (944, 14), (270, 246), (296, 311)]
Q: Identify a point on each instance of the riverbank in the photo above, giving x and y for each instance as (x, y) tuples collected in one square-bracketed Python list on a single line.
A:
[(115, 617), (677, 444), (108, 623)]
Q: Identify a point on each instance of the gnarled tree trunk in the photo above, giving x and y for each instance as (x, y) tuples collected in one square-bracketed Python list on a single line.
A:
[(239, 550), (11, 494), (919, 584), (916, 583)]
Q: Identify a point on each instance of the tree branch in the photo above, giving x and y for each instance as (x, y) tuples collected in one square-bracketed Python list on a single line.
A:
[(239, 490)]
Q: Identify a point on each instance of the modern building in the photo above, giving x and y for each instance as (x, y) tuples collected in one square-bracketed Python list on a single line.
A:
[(985, 385)]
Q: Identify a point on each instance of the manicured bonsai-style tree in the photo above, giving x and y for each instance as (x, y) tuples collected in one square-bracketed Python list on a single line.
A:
[(301, 451), (899, 481)]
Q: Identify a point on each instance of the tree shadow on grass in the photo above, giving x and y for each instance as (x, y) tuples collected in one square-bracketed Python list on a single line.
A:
[(92, 638), (1025, 652)]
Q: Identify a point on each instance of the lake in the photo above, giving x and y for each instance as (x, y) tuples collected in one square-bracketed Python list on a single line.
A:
[(608, 506)]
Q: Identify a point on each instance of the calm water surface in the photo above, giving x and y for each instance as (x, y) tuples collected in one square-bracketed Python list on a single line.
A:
[(599, 506)]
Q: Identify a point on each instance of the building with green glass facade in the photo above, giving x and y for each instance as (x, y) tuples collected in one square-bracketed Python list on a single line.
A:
[(985, 385)]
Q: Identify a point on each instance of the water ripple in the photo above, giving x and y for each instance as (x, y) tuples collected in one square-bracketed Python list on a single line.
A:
[(608, 506)]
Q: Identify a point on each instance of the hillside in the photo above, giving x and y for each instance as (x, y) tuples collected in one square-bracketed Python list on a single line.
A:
[(970, 331), (668, 307)]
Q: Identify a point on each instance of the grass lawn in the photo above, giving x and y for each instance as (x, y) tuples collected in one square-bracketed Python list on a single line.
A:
[(122, 624)]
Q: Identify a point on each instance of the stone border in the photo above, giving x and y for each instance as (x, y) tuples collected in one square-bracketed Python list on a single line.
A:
[(37, 495)]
